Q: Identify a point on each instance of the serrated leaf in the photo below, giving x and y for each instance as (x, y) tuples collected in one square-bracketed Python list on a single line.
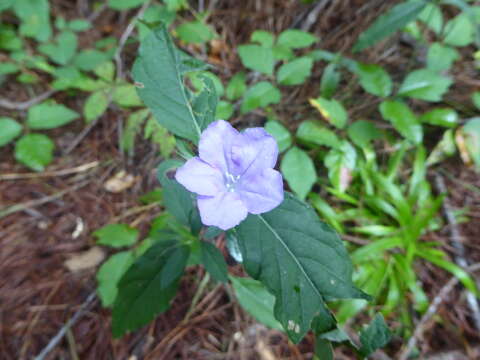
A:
[(280, 133), (403, 120), (332, 110), (9, 130), (425, 84), (295, 72), (148, 286), (441, 57), (374, 79), (110, 273), (459, 31), (257, 58), (95, 105), (214, 262), (158, 72), (256, 300), (261, 94), (34, 151), (284, 249), (445, 117), (375, 336), (393, 20), (49, 115), (116, 235), (195, 32), (315, 133), (296, 39), (298, 169)]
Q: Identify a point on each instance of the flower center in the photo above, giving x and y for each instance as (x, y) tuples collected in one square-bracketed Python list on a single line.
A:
[(231, 181)]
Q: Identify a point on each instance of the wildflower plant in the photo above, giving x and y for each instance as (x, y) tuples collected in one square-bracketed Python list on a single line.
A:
[(231, 186)]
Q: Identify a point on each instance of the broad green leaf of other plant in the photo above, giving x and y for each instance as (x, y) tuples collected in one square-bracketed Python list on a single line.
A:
[(124, 4), (432, 17), (9, 130), (296, 39), (35, 17), (257, 58), (471, 132), (148, 286), (459, 31), (403, 120), (425, 84), (312, 132), (214, 261), (195, 32), (280, 133), (158, 72), (375, 80), (393, 20), (49, 115), (261, 94), (299, 171), (116, 235), (263, 37), (375, 336), (303, 263), (95, 105), (295, 72), (63, 49), (34, 151), (441, 57), (332, 110), (445, 117)]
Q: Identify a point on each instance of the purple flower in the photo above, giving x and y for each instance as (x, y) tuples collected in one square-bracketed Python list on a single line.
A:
[(233, 174)]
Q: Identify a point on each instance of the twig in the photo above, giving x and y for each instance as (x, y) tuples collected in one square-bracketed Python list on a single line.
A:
[(61, 333), (456, 238), (74, 170), (432, 309), (313, 15), (123, 39), (29, 204), (10, 105)]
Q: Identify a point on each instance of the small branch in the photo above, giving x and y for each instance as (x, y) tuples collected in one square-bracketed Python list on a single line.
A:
[(123, 39), (64, 172), (432, 310), (10, 105), (312, 16), (61, 333)]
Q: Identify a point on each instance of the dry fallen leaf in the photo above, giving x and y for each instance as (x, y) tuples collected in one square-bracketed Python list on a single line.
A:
[(85, 260), (121, 181)]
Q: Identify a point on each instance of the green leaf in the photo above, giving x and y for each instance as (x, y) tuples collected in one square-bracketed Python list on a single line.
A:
[(312, 132), (63, 49), (9, 130), (35, 18), (124, 4), (332, 110), (393, 20), (236, 86), (282, 52), (95, 105), (195, 32), (295, 72), (34, 151), (214, 262), (441, 57), (79, 25), (256, 300), (148, 286), (5, 4), (323, 349), (362, 132), (330, 80), (134, 122), (158, 72), (110, 274), (176, 5), (375, 80), (431, 16), (296, 39), (178, 201), (198, 81), (299, 171), (299, 259), (9, 68), (116, 235), (471, 133), (224, 110), (257, 58), (403, 120), (105, 71), (341, 164), (90, 59), (49, 115), (261, 94), (280, 133), (425, 84), (445, 117), (155, 14), (476, 99), (126, 96), (459, 31), (9, 39), (264, 38), (233, 247)]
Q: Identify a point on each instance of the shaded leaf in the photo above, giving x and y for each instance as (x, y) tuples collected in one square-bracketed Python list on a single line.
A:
[(214, 261), (375, 336)]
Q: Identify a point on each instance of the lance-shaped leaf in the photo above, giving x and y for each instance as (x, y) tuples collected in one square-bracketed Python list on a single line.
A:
[(148, 286), (158, 72), (300, 260)]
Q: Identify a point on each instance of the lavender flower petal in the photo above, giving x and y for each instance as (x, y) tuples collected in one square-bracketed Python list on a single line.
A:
[(216, 143), (253, 151), (261, 192), (199, 177), (225, 210)]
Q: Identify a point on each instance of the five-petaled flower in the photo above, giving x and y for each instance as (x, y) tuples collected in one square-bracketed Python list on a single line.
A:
[(233, 174)]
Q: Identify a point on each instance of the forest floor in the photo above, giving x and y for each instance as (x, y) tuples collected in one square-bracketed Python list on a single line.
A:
[(46, 219)]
